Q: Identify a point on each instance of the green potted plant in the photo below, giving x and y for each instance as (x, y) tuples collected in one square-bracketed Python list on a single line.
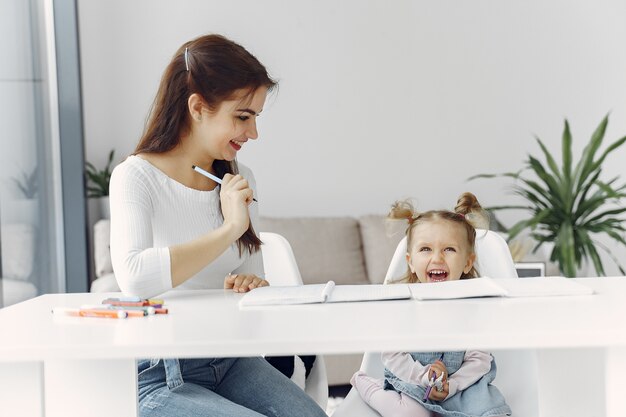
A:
[(570, 205), (98, 183)]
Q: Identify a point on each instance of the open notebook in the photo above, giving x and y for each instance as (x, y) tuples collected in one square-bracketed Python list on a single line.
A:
[(501, 287), (323, 293), (467, 288)]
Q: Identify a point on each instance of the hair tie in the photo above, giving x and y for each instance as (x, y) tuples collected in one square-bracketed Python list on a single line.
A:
[(187, 59)]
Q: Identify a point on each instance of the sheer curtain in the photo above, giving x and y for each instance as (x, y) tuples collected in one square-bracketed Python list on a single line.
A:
[(31, 221)]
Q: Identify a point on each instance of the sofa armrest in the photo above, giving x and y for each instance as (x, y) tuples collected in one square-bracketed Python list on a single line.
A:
[(102, 247)]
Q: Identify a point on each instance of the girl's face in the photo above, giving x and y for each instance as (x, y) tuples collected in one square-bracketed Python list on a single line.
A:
[(439, 251), (223, 132)]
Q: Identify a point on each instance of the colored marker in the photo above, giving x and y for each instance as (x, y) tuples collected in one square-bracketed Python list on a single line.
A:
[(77, 312), (430, 386), (211, 176), (432, 381)]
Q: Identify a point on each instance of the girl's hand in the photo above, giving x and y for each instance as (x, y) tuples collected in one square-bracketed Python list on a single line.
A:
[(235, 196), (440, 395), (440, 369), (243, 282)]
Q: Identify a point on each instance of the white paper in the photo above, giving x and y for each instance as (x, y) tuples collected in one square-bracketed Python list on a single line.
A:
[(542, 287), (299, 294), (464, 288), (348, 293), (320, 293)]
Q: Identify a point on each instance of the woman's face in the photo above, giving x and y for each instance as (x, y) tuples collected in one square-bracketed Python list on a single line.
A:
[(223, 132), (439, 251)]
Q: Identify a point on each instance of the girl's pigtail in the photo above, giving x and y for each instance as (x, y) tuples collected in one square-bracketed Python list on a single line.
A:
[(402, 210), (468, 206)]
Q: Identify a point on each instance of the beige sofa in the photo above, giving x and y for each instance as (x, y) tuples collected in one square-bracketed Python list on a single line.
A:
[(346, 250)]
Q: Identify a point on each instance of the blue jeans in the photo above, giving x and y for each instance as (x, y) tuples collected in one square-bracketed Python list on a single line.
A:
[(224, 387)]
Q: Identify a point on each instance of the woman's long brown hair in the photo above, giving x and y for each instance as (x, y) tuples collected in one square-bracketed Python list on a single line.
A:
[(215, 68)]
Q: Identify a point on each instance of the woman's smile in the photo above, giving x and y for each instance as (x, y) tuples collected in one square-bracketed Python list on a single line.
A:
[(237, 144)]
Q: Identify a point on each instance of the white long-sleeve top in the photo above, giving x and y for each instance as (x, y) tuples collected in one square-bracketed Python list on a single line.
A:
[(475, 364), (151, 212)]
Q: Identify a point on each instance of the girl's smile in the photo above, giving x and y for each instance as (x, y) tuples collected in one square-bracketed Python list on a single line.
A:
[(440, 251)]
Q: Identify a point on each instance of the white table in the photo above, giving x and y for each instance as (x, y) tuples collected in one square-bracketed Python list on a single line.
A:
[(66, 366)]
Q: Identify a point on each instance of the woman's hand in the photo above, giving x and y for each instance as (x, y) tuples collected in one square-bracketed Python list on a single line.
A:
[(235, 196), (243, 282)]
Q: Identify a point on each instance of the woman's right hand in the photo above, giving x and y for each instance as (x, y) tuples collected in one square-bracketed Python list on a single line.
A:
[(235, 196)]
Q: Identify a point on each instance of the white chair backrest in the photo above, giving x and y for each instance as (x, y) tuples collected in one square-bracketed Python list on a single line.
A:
[(281, 269), (492, 254), (279, 263)]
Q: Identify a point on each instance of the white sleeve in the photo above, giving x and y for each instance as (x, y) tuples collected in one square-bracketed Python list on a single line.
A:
[(140, 269)]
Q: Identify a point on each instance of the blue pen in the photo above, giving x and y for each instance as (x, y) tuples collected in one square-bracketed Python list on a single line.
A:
[(211, 176), (432, 381)]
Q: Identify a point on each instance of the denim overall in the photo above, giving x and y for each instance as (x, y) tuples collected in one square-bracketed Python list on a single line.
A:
[(478, 400)]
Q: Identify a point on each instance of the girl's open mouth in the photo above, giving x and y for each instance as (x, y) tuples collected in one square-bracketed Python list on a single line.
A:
[(437, 275)]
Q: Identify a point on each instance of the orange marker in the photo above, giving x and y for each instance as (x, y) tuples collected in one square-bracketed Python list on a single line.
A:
[(111, 314), (76, 312)]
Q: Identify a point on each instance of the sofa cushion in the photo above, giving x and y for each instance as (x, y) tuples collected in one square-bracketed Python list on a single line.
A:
[(18, 250), (102, 247), (325, 248), (380, 237)]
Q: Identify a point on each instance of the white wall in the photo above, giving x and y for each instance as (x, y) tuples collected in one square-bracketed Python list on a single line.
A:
[(378, 100)]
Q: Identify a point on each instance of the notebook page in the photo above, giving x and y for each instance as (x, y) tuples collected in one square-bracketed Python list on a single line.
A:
[(542, 287), (372, 292), (465, 288), (299, 294)]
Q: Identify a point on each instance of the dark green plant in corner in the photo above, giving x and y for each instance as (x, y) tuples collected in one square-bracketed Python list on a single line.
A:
[(569, 204), (98, 180)]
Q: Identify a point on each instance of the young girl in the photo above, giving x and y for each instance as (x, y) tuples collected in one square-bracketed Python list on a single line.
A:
[(440, 247)]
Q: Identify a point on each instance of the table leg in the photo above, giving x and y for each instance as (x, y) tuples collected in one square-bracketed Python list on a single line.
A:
[(95, 388), (614, 382), (571, 382), (21, 389)]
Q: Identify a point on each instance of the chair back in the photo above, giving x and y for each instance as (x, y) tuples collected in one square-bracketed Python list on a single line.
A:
[(279, 263), (492, 254), (281, 269)]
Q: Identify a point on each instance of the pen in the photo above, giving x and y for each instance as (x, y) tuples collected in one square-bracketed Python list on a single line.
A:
[(130, 311), (430, 386), (156, 303), (432, 381), (211, 176)]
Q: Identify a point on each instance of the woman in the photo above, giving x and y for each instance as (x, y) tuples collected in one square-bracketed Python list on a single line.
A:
[(172, 227)]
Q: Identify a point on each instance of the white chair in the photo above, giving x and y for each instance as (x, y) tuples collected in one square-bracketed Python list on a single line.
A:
[(281, 269), (517, 375)]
